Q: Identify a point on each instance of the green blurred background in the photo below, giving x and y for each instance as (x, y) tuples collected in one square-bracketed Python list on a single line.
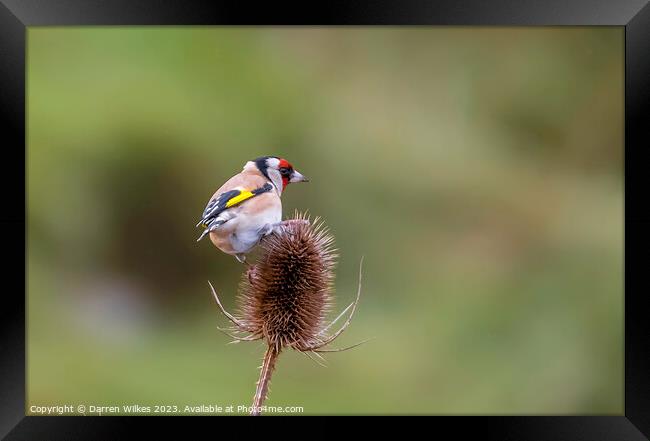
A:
[(478, 170)]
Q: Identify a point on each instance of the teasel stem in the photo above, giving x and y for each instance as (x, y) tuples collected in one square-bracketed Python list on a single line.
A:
[(270, 356)]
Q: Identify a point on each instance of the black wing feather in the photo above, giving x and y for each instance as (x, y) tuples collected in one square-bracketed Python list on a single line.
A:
[(216, 206), (219, 204)]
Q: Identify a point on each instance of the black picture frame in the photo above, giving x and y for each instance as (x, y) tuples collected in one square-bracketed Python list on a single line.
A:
[(633, 15)]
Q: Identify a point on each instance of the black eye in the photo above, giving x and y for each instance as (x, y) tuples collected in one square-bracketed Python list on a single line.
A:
[(284, 171)]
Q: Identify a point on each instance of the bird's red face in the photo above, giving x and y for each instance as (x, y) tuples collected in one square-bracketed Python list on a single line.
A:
[(279, 171), (288, 173)]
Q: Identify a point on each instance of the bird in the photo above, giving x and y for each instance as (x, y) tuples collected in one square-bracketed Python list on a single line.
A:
[(247, 207)]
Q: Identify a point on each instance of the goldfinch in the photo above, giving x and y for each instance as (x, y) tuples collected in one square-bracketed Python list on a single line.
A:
[(248, 207)]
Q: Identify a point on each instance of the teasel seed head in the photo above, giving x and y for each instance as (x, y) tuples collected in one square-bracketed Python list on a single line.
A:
[(286, 295)]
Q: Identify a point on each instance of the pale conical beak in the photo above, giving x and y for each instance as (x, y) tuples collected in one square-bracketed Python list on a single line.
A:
[(297, 177)]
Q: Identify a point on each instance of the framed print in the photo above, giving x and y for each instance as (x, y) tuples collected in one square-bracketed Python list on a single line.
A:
[(431, 209)]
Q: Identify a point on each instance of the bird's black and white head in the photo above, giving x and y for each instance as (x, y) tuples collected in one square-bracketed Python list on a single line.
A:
[(277, 170)]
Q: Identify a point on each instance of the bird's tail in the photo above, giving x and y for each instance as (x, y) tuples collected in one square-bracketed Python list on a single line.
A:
[(211, 226)]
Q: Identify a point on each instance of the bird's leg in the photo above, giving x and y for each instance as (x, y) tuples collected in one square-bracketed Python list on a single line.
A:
[(281, 226), (267, 229)]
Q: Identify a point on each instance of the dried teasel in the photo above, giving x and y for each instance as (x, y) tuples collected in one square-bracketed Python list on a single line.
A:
[(286, 295)]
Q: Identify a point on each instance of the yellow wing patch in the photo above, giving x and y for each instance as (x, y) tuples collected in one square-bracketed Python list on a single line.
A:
[(226, 200), (242, 196)]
